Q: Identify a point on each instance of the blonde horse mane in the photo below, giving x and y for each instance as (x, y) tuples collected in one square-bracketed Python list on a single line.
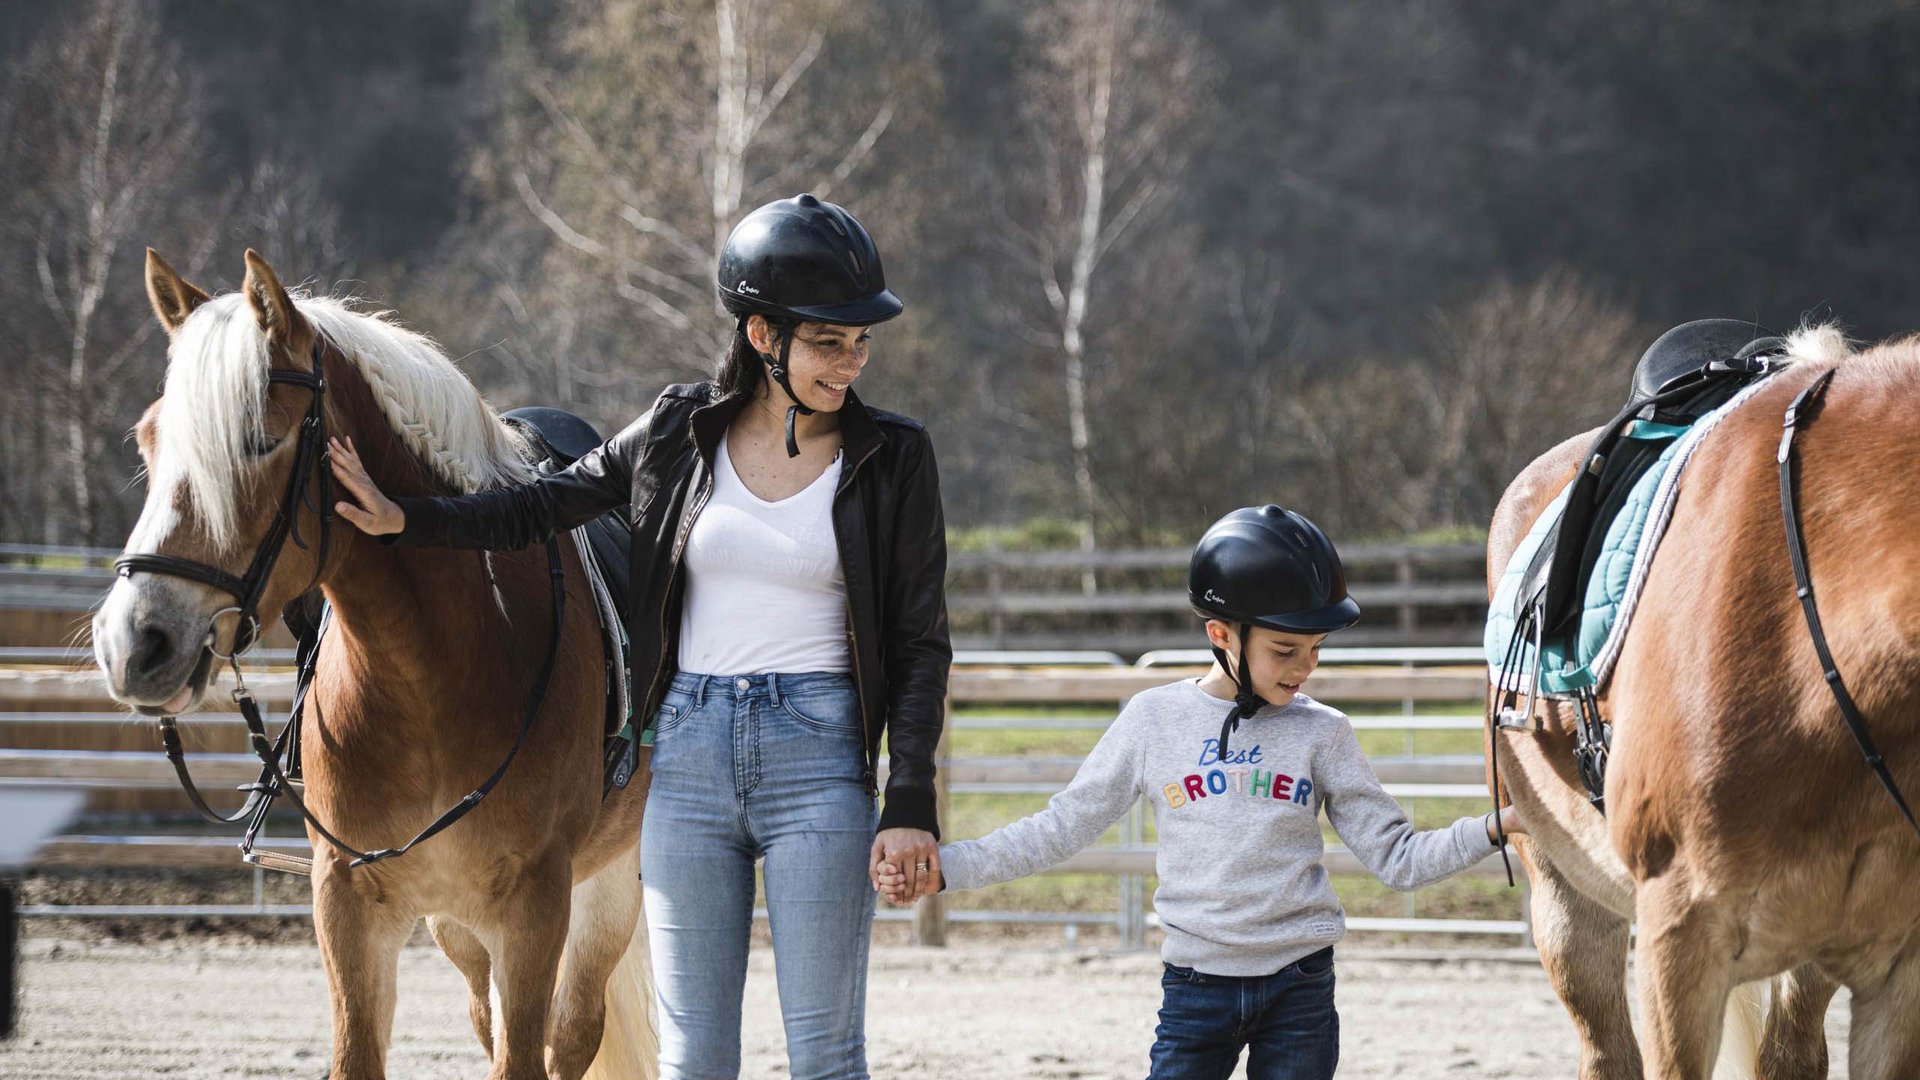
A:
[(215, 395)]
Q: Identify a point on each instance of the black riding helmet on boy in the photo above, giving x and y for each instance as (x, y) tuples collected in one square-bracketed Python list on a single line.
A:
[(802, 260), (1270, 567)]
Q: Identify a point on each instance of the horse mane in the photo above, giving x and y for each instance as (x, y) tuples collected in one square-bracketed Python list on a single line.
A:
[(215, 399)]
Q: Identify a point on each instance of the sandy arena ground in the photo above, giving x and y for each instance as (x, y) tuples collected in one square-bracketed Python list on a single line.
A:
[(92, 1011)]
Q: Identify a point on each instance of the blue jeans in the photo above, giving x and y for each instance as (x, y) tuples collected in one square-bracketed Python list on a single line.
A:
[(748, 768), (1286, 1020)]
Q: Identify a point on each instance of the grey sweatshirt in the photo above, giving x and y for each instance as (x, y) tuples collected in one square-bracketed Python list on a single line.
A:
[(1242, 891)]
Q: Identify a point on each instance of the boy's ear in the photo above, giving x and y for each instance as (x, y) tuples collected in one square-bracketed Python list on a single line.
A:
[(1219, 634)]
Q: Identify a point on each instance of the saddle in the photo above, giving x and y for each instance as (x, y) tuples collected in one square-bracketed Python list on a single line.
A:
[(558, 439), (1688, 372)]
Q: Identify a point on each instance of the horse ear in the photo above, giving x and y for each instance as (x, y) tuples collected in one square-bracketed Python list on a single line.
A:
[(272, 308), (174, 298)]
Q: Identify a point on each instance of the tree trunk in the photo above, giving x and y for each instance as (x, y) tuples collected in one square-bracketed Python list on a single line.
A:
[(1093, 182)]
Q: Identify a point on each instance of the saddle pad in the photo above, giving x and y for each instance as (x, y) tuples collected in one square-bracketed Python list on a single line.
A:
[(1586, 658)]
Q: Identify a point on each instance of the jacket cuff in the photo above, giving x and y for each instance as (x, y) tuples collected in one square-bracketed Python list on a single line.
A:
[(910, 808), (422, 525)]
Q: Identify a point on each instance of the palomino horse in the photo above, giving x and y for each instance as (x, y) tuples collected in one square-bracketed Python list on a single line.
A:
[(1743, 831), (421, 683)]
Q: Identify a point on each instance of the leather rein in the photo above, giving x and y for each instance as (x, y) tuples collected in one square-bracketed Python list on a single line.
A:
[(311, 463), (1797, 416)]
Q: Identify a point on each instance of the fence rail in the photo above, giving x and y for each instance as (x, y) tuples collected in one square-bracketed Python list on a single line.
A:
[(67, 707), (1024, 600)]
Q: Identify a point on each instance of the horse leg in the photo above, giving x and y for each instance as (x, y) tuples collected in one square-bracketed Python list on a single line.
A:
[(1685, 976), (606, 908), (1885, 1040), (530, 933), (360, 930), (1793, 1044), (470, 957), (1583, 946)]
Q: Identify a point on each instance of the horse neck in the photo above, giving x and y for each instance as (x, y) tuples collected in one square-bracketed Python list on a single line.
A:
[(401, 610)]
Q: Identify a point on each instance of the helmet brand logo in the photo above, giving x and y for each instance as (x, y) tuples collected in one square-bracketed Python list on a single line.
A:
[(746, 288), (1213, 597)]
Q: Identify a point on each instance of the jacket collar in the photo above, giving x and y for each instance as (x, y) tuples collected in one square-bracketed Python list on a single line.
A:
[(859, 433)]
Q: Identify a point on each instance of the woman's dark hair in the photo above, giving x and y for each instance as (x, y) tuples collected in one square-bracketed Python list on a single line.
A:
[(741, 369)]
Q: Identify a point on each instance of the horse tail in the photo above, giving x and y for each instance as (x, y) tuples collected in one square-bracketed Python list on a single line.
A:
[(629, 1043), (1740, 1033)]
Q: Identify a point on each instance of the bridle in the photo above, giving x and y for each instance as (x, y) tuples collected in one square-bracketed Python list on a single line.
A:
[(310, 462), (312, 471)]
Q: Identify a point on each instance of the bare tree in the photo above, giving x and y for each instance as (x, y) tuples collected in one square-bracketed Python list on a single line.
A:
[(1514, 371), (721, 105), (1109, 98), (107, 127)]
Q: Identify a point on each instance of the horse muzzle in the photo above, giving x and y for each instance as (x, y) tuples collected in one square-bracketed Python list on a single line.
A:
[(150, 642)]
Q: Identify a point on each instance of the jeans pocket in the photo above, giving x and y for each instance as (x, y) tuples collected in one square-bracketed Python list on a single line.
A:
[(1315, 968), (668, 717), (833, 711)]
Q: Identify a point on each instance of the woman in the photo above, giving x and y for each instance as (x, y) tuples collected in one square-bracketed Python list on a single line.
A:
[(788, 562)]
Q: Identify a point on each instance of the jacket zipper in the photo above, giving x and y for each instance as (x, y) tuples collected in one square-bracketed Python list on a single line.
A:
[(871, 772), (673, 570)]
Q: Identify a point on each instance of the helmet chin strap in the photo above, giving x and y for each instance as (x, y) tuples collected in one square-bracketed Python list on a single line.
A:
[(1245, 701), (778, 369)]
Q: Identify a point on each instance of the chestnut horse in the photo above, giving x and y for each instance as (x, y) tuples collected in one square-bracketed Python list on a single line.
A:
[(421, 682), (1744, 833)]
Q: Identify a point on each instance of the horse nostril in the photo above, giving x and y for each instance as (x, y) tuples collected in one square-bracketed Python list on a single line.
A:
[(152, 652)]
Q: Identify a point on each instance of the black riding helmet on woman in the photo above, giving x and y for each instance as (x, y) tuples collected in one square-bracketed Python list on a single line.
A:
[(802, 260), (787, 613)]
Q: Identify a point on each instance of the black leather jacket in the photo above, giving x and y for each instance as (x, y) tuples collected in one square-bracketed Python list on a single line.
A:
[(887, 521)]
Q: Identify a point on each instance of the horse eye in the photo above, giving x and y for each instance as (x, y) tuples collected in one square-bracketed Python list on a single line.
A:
[(259, 446)]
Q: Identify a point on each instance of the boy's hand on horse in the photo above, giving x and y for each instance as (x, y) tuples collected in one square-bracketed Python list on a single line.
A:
[(1510, 824), (375, 514)]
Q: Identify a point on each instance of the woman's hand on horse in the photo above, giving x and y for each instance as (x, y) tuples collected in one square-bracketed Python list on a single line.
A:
[(375, 514), (917, 855)]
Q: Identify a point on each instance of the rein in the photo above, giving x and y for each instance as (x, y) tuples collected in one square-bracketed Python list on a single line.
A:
[(311, 461), (1796, 417)]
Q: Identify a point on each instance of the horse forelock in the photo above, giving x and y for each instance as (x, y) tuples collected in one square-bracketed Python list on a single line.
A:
[(216, 388)]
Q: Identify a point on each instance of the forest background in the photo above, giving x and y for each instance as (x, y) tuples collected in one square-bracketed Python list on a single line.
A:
[(1161, 259)]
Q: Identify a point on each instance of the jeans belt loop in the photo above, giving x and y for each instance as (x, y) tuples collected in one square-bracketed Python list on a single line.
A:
[(773, 689), (700, 690)]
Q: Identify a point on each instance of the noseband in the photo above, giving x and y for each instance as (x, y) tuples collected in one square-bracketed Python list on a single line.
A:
[(309, 465)]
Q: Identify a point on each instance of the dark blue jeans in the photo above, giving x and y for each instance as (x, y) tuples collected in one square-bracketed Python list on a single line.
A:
[(1285, 1020)]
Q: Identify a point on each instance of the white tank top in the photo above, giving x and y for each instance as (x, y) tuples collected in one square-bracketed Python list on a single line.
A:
[(764, 591)]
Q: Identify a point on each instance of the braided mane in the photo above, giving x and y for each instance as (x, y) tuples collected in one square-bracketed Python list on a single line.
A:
[(216, 392)]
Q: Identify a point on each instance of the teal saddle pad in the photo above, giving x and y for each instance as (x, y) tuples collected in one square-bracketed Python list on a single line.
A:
[(1569, 659)]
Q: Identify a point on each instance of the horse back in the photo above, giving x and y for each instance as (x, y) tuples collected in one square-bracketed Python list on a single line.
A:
[(1729, 752)]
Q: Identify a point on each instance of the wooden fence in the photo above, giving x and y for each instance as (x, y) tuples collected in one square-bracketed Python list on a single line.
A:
[(1432, 594), (58, 729)]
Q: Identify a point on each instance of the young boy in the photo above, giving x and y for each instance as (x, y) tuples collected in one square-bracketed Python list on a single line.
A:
[(1250, 918)]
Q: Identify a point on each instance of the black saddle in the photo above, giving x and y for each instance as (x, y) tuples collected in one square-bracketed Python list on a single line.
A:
[(1688, 372), (559, 439)]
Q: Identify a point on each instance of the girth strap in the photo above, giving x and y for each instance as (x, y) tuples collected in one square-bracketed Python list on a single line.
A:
[(1797, 414)]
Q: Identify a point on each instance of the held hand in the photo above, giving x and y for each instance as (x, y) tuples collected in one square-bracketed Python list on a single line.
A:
[(914, 854), (893, 884), (375, 514)]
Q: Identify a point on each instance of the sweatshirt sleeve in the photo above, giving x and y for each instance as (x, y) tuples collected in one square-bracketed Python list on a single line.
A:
[(1375, 828), (1107, 783)]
